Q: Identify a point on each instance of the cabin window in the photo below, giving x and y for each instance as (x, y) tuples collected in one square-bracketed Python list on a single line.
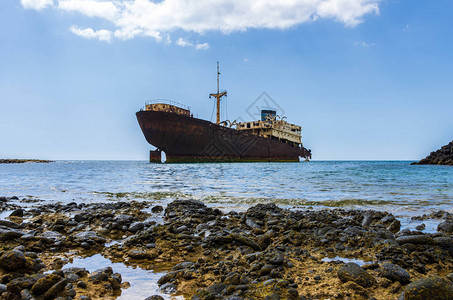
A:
[(248, 125)]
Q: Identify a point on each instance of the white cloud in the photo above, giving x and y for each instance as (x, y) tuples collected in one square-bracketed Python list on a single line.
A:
[(91, 8), (36, 4), (364, 44), (203, 46), (131, 18), (185, 43), (90, 33)]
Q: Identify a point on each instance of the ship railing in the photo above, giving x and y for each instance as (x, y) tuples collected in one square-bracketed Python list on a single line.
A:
[(166, 101)]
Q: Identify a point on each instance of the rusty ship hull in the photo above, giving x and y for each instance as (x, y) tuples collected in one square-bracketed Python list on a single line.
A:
[(186, 139)]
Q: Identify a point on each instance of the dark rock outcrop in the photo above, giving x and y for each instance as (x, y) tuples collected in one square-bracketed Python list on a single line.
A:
[(443, 156)]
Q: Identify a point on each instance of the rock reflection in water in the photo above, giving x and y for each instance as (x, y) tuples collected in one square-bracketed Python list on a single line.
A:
[(143, 282)]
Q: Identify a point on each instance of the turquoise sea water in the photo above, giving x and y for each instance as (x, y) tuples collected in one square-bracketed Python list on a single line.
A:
[(394, 186)]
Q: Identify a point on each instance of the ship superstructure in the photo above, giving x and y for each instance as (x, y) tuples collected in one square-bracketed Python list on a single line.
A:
[(271, 127)]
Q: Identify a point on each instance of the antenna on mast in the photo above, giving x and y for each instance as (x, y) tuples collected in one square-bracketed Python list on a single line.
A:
[(218, 95)]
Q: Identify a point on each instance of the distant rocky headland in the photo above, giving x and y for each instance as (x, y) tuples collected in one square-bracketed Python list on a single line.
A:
[(443, 156), (21, 161)]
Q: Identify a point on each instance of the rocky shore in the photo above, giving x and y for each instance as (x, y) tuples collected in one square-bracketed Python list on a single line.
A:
[(443, 156), (265, 252), (21, 161)]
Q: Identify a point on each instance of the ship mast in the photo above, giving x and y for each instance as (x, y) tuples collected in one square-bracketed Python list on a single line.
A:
[(218, 95)]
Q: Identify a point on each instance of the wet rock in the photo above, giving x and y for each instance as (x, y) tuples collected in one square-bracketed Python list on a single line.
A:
[(136, 226), (252, 224), (18, 284), (353, 231), (273, 296), (123, 219), (444, 242), (387, 219), (157, 209), (357, 288), (13, 260), (70, 293), (155, 297), (367, 219), (9, 224), (394, 226), (106, 270), (45, 283), (183, 265), (394, 273), (446, 227), (88, 236), (216, 288), (414, 239), (52, 236), (17, 213), (2, 288), (26, 295), (82, 284), (232, 279), (278, 259), (98, 277), (55, 289), (72, 277), (353, 272), (140, 254), (10, 234), (167, 277), (114, 283), (82, 272), (421, 227), (117, 277), (168, 288), (432, 288)]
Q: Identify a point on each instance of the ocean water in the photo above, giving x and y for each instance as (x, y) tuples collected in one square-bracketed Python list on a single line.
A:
[(393, 186)]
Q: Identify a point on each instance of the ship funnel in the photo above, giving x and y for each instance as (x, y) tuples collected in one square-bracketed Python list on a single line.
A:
[(267, 115)]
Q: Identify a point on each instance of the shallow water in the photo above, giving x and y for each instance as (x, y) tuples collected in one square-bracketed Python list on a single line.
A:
[(143, 282), (394, 186), (360, 262)]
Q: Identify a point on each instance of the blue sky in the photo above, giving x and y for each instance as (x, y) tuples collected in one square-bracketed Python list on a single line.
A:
[(366, 79)]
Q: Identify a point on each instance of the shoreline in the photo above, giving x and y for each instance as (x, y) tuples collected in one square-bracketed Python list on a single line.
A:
[(204, 253), (22, 161)]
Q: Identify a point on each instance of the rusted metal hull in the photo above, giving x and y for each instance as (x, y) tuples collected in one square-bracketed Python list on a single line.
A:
[(188, 139)]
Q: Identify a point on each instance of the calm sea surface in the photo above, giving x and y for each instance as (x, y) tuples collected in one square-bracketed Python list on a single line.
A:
[(398, 187)]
